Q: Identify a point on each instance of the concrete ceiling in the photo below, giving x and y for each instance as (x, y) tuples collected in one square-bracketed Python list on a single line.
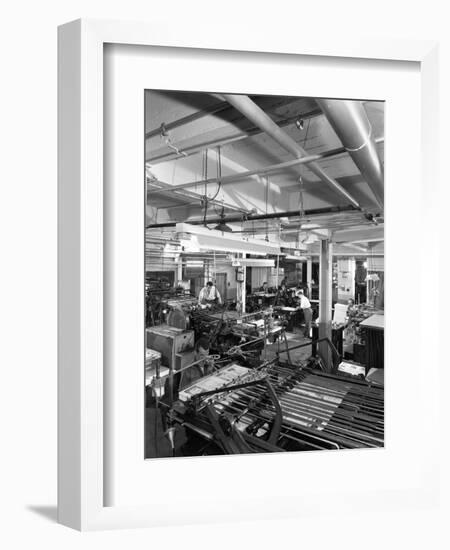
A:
[(188, 152)]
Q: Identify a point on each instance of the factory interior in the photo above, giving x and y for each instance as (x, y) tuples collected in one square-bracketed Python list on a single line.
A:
[(264, 274)]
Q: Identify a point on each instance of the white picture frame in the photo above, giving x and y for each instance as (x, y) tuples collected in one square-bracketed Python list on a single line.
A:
[(81, 482)]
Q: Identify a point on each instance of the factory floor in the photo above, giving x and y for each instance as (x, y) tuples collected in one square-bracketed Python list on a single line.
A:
[(293, 339), (157, 445)]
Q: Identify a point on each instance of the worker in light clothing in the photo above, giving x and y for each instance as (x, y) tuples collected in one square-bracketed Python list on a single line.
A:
[(305, 306), (209, 295)]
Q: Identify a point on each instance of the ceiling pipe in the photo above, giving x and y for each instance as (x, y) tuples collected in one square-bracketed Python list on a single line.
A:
[(249, 173), (251, 217), (349, 120), (257, 172), (210, 110), (256, 115), (291, 231), (250, 132)]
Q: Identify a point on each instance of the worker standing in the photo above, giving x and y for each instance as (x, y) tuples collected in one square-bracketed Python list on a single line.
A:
[(352, 310), (305, 306), (209, 295)]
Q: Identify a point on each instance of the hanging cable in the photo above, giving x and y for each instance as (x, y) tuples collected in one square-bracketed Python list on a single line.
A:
[(219, 172), (205, 210), (219, 179), (301, 208), (207, 199), (219, 164), (164, 134), (205, 177), (267, 202), (301, 202), (205, 174), (300, 180), (306, 133)]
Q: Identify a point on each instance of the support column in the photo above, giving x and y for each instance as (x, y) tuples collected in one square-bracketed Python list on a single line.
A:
[(244, 287), (206, 272), (309, 276), (278, 271), (179, 271), (325, 298), (240, 290)]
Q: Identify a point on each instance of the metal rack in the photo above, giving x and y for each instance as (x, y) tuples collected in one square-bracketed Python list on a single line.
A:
[(282, 407)]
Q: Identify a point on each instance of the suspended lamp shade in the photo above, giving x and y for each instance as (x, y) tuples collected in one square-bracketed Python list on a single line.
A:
[(222, 226)]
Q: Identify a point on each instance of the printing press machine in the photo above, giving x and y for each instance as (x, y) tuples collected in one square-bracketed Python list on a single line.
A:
[(177, 311), (277, 407), (228, 329), (259, 300), (164, 302), (229, 335)]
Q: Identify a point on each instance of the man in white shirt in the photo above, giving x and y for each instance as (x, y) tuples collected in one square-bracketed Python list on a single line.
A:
[(305, 306), (209, 295)]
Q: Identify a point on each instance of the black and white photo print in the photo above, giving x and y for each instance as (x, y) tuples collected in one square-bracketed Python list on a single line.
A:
[(264, 273)]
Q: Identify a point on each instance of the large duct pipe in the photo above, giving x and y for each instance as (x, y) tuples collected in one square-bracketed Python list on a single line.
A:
[(256, 115), (349, 121)]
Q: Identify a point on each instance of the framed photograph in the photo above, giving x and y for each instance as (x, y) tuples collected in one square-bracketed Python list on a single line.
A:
[(243, 321)]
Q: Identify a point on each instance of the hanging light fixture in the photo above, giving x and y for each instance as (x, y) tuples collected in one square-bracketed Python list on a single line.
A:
[(371, 276), (222, 226)]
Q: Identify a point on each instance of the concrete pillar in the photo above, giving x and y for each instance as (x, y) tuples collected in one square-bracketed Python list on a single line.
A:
[(325, 297), (241, 291), (278, 271), (179, 271), (309, 276), (244, 287)]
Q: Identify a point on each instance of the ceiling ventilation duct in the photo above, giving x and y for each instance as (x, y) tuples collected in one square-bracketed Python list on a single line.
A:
[(255, 114), (349, 121)]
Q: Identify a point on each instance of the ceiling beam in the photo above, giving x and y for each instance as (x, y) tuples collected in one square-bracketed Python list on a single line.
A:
[(257, 171), (254, 113), (191, 196), (352, 235)]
